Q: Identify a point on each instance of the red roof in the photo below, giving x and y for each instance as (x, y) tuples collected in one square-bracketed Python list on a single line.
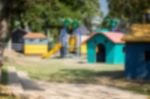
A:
[(34, 36), (115, 37)]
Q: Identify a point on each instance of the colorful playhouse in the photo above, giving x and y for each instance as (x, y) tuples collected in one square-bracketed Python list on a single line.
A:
[(35, 44), (106, 47), (137, 65)]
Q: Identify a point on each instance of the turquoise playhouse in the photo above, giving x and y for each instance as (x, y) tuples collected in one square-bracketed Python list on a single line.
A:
[(106, 47)]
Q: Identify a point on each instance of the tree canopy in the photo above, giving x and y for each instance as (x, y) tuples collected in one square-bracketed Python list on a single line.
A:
[(128, 9), (38, 12)]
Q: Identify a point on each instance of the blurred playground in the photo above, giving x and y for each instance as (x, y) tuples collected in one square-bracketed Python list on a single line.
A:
[(75, 49)]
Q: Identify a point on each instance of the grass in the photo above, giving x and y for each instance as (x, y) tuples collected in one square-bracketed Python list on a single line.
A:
[(5, 92), (6, 96), (61, 72), (76, 71), (4, 81), (4, 72)]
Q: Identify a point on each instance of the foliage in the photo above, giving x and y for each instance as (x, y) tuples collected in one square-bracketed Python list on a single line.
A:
[(54, 11), (128, 9), (12, 8)]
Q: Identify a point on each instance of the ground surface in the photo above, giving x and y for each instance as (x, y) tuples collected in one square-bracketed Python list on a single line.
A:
[(73, 78), (33, 89), (82, 91)]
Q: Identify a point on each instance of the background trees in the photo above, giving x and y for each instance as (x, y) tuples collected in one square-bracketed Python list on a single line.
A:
[(128, 9), (53, 11)]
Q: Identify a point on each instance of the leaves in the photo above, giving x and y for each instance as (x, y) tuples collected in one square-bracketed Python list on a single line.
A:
[(130, 9), (53, 11)]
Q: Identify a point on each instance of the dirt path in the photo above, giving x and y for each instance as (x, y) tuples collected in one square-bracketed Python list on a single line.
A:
[(44, 90), (81, 91), (26, 88)]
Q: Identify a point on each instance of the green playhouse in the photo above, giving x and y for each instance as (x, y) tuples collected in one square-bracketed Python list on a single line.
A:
[(106, 47)]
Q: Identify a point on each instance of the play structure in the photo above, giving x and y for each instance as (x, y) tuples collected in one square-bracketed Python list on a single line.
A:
[(109, 24), (137, 65), (53, 51), (105, 47), (72, 43), (35, 44), (84, 44), (69, 40)]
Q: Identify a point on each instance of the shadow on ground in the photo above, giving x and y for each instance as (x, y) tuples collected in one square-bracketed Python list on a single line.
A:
[(109, 78), (84, 76), (28, 84), (21, 80)]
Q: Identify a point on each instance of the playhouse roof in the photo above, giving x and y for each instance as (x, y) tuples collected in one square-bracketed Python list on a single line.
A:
[(115, 37), (34, 36), (139, 33)]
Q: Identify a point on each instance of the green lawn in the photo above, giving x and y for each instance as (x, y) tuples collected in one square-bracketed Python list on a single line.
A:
[(67, 70), (77, 71)]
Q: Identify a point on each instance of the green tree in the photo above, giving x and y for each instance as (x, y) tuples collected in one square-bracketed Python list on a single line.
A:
[(54, 11), (128, 9), (8, 10), (59, 9)]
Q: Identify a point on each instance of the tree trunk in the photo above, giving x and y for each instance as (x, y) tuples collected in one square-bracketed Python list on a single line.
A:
[(3, 34)]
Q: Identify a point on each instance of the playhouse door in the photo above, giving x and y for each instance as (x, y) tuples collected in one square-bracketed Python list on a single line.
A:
[(100, 53)]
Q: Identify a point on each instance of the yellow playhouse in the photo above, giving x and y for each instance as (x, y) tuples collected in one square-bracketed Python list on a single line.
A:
[(35, 44)]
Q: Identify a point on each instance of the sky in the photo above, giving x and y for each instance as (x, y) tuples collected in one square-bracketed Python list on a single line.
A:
[(104, 7)]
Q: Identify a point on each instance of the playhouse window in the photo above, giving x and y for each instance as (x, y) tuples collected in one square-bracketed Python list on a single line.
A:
[(147, 56)]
